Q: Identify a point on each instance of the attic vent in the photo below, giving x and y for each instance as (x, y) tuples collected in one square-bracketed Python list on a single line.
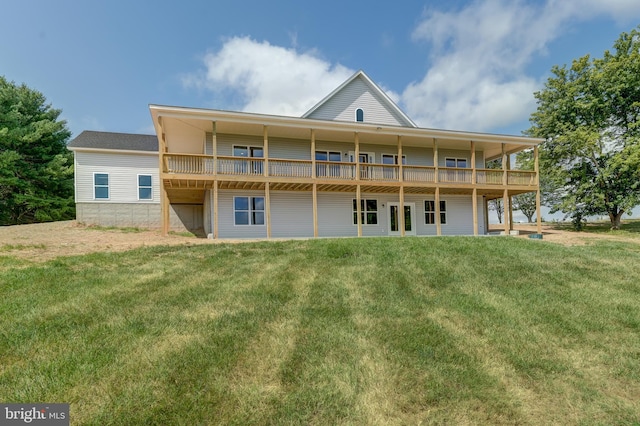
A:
[(359, 115)]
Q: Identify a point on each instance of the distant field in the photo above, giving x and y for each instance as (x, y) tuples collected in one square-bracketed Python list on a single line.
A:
[(452, 330)]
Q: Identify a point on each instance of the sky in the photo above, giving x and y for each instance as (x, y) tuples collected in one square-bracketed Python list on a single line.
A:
[(449, 64)]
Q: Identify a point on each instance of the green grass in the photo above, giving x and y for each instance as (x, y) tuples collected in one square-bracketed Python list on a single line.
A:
[(629, 228), (343, 331)]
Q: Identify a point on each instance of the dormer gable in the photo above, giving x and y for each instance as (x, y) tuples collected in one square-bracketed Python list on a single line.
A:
[(359, 99)]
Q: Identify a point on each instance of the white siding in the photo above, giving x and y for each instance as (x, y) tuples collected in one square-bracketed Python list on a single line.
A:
[(226, 226), (357, 94), (291, 214), (123, 169)]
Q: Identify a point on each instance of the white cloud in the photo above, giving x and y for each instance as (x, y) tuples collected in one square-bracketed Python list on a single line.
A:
[(478, 80), (270, 79)]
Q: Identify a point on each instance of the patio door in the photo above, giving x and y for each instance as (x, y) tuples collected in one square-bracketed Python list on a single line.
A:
[(394, 213)]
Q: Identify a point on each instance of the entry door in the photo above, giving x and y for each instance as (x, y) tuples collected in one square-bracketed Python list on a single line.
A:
[(394, 218)]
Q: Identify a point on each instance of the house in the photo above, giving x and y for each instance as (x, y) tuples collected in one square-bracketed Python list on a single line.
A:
[(354, 165)]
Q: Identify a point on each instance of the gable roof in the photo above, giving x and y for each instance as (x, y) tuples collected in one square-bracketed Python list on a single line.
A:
[(375, 89), (120, 141)]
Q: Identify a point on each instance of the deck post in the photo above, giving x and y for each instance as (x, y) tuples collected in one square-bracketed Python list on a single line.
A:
[(214, 146), (400, 171), (474, 201), (265, 151), (267, 208), (313, 154), (536, 166), (473, 162), (164, 198), (506, 207), (356, 142), (215, 210), (314, 195), (358, 211), (435, 160), (401, 212), (437, 206)]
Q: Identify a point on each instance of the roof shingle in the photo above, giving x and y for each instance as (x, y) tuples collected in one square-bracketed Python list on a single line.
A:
[(109, 140)]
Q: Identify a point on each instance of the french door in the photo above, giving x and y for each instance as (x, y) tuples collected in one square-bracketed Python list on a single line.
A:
[(394, 213)]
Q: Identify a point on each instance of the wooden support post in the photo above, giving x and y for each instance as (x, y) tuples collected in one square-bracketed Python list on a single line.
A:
[(357, 155), (435, 160), (313, 154), (506, 207), (358, 211), (437, 206), (267, 208), (314, 194), (400, 170), (216, 217), (473, 162), (166, 210), (536, 166), (474, 201), (164, 198), (265, 150), (401, 220), (214, 146), (504, 167)]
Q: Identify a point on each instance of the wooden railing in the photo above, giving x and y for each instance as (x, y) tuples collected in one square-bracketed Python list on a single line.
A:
[(198, 164)]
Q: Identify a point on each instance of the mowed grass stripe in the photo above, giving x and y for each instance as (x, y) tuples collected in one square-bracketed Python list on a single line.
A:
[(356, 331)]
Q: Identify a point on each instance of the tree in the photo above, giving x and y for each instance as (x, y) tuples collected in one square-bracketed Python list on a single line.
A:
[(36, 168), (589, 116), (497, 206)]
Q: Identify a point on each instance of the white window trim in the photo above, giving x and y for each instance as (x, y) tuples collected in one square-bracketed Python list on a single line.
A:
[(327, 151), (233, 148), (424, 215), (242, 225), (372, 157), (365, 212), (456, 159), (151, 187), (395, 158), (93, 186)]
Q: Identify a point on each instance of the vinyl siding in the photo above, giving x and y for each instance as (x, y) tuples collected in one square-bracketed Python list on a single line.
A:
[(291, 214), (123, 170), (226, 226), (357, 94)]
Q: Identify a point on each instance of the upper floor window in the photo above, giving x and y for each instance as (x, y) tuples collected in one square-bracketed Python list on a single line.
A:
[(101, 186), (359, 115), (145, 187), (460, 163)]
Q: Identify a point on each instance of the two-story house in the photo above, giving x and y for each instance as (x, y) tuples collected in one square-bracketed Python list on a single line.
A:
[(354, 165)]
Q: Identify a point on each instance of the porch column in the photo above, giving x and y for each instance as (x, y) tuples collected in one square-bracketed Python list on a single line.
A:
[(164, 198), (474, 197), (401, 212), (507, 208), (214, 146), (357, 155), (314, 195), (536, 167), (313, 154), (435, 160), (358, 211), (401, 191), (267, 208), (504, 166), (510, 200), (216, 219), (437, 206), (265, 150)]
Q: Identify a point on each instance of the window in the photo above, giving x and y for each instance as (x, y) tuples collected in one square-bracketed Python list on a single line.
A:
[(101, 186), (248, 210), (325, 169), (359, 115), (145, 188), (253, 167), (368, 212), (430, 212), (393, 159), (460, 163)]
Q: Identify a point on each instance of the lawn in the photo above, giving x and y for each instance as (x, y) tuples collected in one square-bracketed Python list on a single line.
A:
[(458, 330)]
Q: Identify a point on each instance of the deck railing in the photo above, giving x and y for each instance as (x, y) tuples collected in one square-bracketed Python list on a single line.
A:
[(197, 164)]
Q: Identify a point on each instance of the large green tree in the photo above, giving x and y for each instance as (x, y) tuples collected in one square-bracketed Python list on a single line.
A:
[(36, 168), (589, 114)]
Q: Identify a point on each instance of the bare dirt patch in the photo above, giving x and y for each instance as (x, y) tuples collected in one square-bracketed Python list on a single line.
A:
[(45, 241)]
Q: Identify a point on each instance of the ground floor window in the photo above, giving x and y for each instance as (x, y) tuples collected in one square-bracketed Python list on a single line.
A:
[(430, 212), (248, 210), (101, 186), (368, 212), (145, 187)]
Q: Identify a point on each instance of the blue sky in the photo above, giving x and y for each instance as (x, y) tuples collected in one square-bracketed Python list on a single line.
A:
[(463, 65)]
